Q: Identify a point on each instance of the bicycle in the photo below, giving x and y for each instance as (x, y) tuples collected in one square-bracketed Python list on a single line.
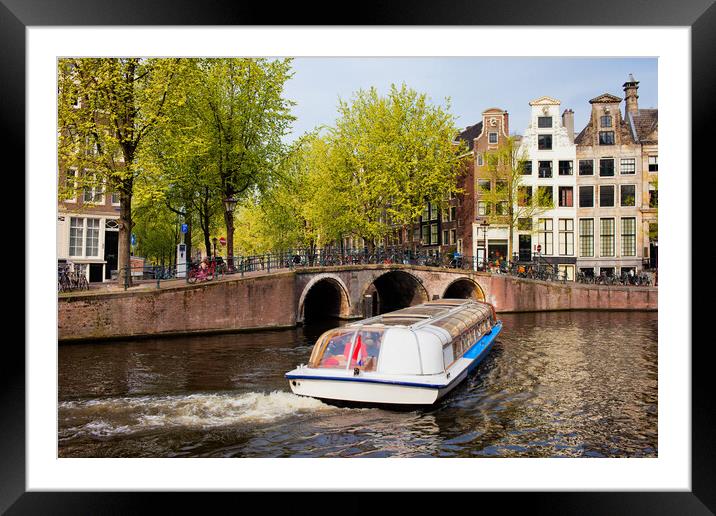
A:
[(199, 273)]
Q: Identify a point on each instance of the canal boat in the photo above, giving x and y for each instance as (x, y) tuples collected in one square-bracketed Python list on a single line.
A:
[(412, 356)]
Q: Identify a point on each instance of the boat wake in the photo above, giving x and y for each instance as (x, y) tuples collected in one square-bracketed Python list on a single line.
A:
[(106, 418)]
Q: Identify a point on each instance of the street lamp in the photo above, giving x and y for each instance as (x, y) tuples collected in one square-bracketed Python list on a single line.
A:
[(230, 204), (484, 225), (214, 241)]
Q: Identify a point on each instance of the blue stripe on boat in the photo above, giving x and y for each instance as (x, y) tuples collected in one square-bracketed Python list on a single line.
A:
[(476, 353)]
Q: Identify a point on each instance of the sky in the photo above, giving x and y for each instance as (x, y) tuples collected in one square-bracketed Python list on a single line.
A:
[(473, 84)]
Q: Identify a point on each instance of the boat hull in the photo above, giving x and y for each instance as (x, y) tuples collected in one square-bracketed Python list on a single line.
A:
[(375, 389)]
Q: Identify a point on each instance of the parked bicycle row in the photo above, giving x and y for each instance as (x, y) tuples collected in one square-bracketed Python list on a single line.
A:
[(74, 277), (71, 276)]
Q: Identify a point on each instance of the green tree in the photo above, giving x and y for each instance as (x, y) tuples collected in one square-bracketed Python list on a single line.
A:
[(240, 112), (106, 109), (388, 155), (510, 200)]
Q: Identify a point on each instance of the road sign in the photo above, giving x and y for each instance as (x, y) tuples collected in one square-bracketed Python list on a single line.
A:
[(222, 241), (134, 239), (184, 228)]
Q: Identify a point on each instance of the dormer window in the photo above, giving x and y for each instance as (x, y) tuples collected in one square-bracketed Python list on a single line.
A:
[(492, 137), (544, 122)]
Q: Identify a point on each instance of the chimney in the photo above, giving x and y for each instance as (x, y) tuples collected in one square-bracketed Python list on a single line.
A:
[(630, 96), (506, 118), (568, 123)]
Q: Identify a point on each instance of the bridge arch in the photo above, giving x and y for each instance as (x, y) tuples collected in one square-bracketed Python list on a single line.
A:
[(324, 296), (395, 289), (464, 288)]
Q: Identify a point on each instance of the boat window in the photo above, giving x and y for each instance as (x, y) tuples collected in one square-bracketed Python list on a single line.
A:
[(366, 349), (333, 349)]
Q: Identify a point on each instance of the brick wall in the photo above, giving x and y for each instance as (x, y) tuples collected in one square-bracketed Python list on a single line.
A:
[(271, 301)]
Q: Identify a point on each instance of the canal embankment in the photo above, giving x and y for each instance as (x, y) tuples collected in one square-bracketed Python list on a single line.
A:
[(274, 301)]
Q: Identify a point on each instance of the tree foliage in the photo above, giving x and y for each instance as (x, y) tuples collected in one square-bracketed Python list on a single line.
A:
[(390, 155), (509, 200), (106, 109)]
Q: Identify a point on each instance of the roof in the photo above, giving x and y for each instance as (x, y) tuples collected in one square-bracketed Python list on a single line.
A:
[(545, 101), (469, 134), (605, 98), (645, 125)]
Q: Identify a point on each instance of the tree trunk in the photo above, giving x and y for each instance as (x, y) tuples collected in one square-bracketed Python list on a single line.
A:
[(125, 237), (229, 219)]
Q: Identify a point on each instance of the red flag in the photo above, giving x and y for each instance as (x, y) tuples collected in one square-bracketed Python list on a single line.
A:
[(357, 349)]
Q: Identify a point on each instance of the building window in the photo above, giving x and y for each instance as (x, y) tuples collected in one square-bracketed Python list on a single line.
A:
[(606, 196), (76, 236), (586, 196), (433, 212), (606, 121), (483, 208), (586, 167), (84, 237), (453, 235), (545, 169), (606, 167), (544, 122), (71, 185), (115, 198), (446, 237), (433, 233), (606, 237), (565, 168), (629, 237), (566, 194), (653, 196), (586, 237), (544, 142), (484, 185), (526, 168), (544, 235), (606, 137), (453, 213), (628, 195), (425, 234), (566, 237), (524, 224), (501, 208), (93, 192), (492, 137), (524, 195), (653, 163), (545, 197), (479, 160), (92, 240), (627, 166)]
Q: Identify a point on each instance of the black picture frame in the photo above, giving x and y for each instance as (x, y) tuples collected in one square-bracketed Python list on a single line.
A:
[(17, 15)]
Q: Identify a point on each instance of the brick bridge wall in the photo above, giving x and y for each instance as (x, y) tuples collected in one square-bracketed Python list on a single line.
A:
[(278, 300)]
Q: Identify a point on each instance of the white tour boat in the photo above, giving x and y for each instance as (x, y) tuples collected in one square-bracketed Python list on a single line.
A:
[(413, 356)]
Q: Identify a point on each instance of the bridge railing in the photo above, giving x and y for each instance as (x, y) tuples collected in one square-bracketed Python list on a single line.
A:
[(538, 269)]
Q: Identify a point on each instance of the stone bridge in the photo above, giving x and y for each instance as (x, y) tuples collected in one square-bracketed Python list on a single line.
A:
[(286, 298)]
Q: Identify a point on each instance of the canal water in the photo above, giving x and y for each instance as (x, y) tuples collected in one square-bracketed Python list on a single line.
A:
[(556, 384)]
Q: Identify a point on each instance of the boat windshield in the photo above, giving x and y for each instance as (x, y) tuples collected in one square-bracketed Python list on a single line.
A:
[(340, 348), (332, 349)]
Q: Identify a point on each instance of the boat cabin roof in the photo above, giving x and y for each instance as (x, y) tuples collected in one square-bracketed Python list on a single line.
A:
[(452, 314)]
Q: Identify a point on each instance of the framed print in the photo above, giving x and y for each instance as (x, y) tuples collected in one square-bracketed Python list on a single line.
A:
[(62, 442)]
